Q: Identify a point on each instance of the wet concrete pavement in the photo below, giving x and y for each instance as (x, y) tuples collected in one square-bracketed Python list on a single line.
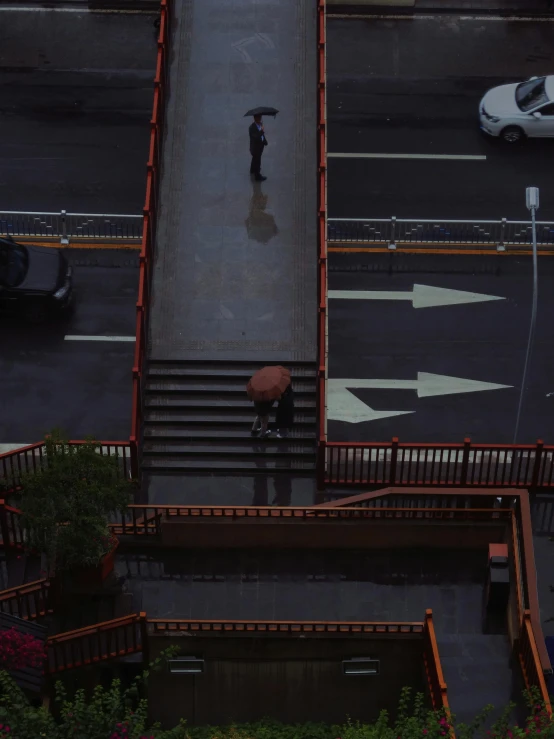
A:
[(81, 387), (76, 100)]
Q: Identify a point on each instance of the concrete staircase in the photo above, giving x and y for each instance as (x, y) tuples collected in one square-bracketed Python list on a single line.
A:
[(197, 419)]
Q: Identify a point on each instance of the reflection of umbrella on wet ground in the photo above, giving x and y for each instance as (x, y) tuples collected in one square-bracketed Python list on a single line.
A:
[(262, 110), (268, 383), (260, 225)]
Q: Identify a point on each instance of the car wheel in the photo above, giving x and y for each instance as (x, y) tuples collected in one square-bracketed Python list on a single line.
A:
[(512, 134)]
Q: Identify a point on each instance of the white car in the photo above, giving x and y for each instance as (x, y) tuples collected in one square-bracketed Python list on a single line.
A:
[(519, 110)]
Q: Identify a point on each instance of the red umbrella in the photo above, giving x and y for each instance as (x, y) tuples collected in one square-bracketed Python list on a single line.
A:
[(269, 383)]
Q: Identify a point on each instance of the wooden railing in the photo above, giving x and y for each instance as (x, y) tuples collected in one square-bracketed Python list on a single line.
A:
[(169, 626), (16, 464), (108, 640), (150, 211), (433, 669), (443, 465), (530, 661), (322, 243), (28, 601), (146, 520)]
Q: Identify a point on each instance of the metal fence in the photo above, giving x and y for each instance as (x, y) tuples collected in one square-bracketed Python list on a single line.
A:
[(501, 235), (64, 226)]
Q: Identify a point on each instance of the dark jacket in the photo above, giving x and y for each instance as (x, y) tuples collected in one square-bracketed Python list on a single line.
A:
[(284, 418), (256, 143), (263, 407)]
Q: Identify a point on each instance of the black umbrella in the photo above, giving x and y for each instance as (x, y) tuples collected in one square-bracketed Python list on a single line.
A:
[(262, 110)]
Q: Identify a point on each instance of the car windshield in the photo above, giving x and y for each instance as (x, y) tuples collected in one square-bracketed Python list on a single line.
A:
[(530, 94), (14, 262)]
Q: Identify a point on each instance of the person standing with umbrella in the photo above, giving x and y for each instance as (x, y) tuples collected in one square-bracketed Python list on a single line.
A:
[(258, 140), (264, 388)]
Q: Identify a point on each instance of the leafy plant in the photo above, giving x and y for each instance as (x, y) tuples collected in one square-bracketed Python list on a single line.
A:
[(67, 503)]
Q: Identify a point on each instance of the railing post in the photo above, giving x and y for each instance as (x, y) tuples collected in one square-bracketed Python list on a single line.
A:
[(144, 637), (465, 461), (392, 241), (393, 460), (321, 464), (64, 239), (4, 530), (500, 246), (537, 464)]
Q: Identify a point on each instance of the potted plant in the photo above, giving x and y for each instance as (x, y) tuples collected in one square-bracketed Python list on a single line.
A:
[(66, 507)]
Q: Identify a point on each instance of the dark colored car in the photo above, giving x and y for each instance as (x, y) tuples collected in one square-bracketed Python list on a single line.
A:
[(35, 281)]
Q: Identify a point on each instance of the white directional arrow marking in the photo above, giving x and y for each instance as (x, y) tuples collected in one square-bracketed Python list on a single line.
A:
[(342, 405), (422, 296)]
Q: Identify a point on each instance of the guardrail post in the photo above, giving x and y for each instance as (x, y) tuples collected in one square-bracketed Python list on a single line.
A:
[(500, 246), (392, 241), (393, 460), (64, 239), (321, 463), (537, 464), (465, 461)]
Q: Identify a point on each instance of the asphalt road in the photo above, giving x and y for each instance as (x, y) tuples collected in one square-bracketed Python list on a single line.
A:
[(76, 94), (388, 340), (81, 387), (385, 96)]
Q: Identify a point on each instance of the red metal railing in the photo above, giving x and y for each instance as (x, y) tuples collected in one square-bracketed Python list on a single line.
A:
[(146, 520), (19, 462), (28, 601), (322, 247), (433, 669), (530, 661), (161, 625), (117, 638), (11, 530), (161, 89), (445, 465)]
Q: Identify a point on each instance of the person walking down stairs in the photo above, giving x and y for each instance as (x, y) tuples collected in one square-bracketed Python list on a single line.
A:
[(284, 417), (264, 388)]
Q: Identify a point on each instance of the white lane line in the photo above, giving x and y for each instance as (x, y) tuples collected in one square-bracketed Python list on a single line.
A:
[(75, 337), (354, 155)]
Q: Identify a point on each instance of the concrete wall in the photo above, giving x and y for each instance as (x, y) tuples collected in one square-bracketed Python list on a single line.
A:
[(288, 678)]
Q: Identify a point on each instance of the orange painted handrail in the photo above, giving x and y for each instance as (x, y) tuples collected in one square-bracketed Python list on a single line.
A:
[(433, 669), (442, 465), (29, 601), (530, 661), (322, 246), (153, 176), (163, 625)]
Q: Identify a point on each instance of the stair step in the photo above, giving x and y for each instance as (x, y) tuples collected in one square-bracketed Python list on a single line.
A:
[(178, 416), (260, 449), (211, 404), (276, 464), (157, 433), (225, 389), (216, 373), (218, 366)]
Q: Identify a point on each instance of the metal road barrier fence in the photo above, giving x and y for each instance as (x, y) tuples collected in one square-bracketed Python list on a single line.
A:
[(64, 227), (500, 235)]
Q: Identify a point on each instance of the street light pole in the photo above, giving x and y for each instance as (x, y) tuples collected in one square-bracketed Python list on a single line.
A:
[(532, 202)]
